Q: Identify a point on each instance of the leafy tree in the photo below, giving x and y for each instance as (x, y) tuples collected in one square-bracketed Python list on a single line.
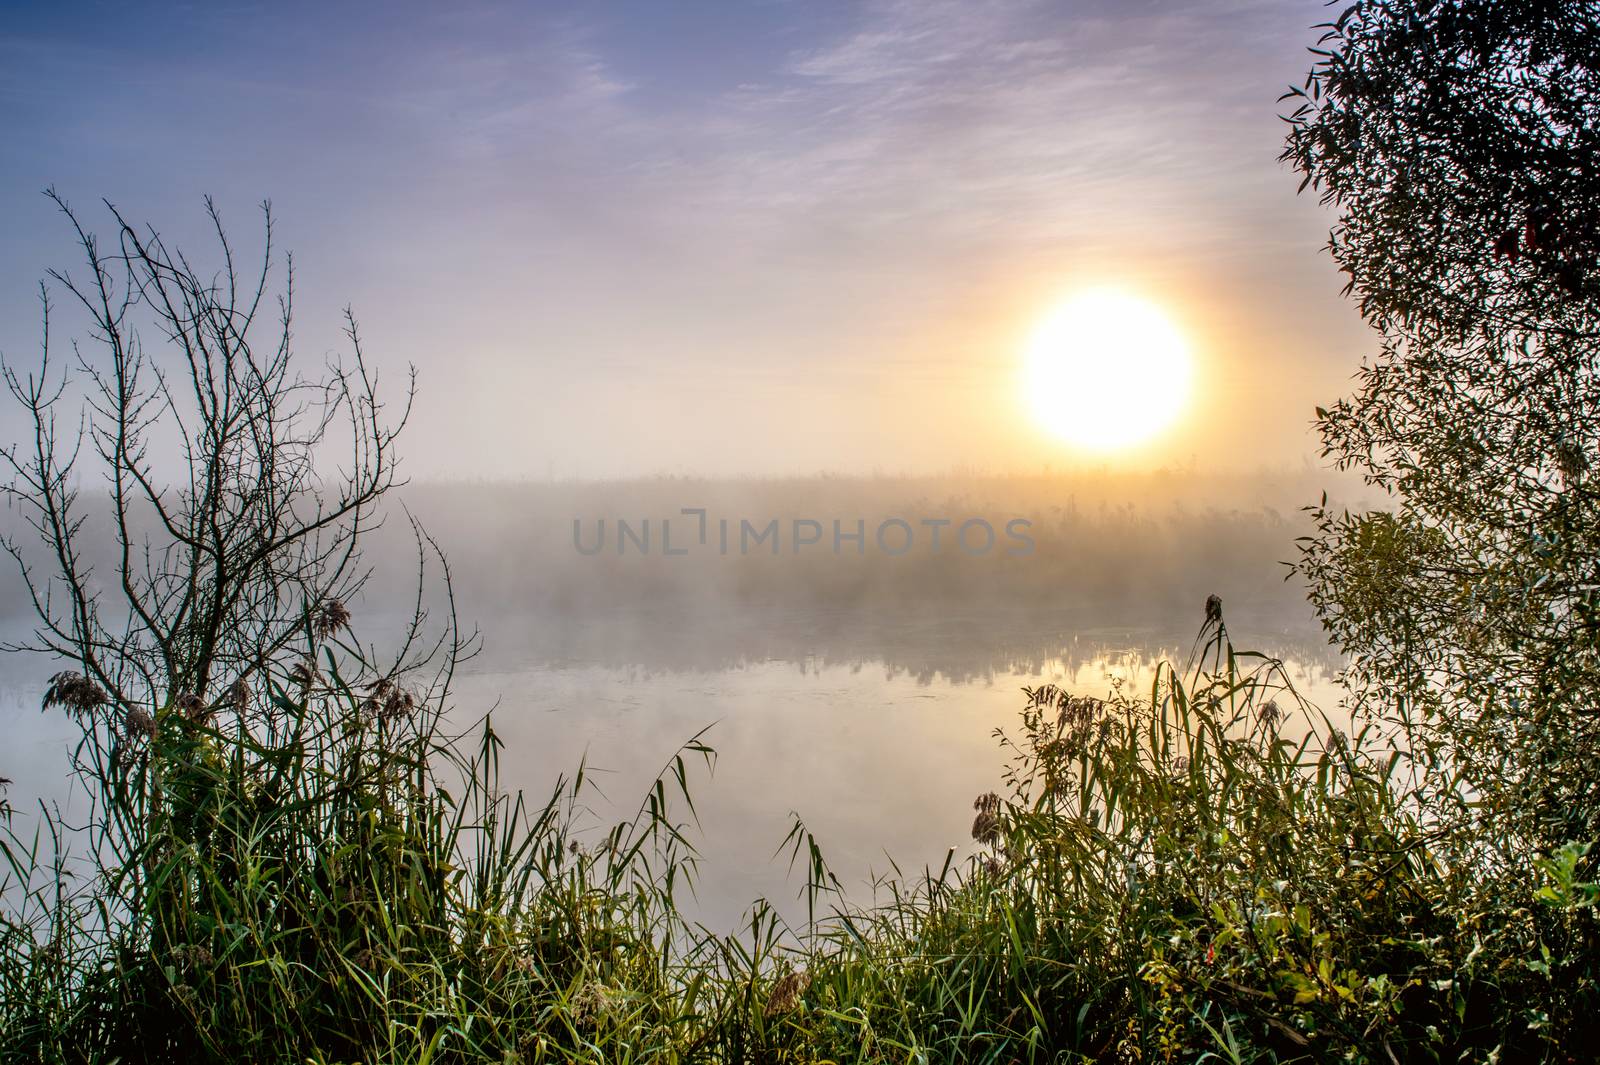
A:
[(1459, 142)]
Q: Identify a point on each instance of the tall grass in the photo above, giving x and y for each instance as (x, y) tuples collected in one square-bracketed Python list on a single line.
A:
[(321, 871)]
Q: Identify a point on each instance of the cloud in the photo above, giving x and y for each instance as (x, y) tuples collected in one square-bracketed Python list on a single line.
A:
[(987, 121), (608, 205)]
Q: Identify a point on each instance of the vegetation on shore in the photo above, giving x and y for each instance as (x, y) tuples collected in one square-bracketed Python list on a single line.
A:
[(290, 856), (326, 875)]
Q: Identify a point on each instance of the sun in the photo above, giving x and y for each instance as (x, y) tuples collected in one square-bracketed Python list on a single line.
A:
[(1106, 370)]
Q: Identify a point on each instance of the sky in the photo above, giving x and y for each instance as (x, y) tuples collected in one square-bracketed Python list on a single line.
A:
[(772, 237)]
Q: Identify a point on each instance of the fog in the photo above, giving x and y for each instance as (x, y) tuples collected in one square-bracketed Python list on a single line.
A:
[(651, 266), (856, 688), (1044, 555)]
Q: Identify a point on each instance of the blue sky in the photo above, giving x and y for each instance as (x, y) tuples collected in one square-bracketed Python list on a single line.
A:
[(760, 238)]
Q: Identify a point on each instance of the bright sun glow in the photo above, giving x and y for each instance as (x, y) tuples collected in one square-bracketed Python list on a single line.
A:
[(1106, 370)]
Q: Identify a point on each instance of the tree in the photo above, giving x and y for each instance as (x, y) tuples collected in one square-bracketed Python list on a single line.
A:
[(1459, 142), (212, 578), (196, 505)]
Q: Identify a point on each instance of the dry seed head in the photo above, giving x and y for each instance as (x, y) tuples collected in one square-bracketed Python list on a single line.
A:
[(1078, 713), (398, 704), (193, 956), (1269, 712), (787, 991), (1064, 749), (191, 706), (139, 722), (330, 618), (592, 1002), (387, 701), (74, 692), (986, 827), (305, 673)]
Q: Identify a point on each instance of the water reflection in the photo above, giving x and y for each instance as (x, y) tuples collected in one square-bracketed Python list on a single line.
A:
[(958, 646), (878, 735), (877, 730)]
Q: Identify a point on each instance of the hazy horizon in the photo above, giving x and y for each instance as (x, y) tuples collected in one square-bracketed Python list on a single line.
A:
[(785, 262)]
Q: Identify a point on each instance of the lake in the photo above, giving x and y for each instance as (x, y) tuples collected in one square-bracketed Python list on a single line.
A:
[(881, 751)]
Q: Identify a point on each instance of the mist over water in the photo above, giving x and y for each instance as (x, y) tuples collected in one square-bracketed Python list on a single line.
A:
[(857, 690)]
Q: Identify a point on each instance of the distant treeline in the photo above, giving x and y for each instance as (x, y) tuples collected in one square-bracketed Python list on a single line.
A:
[(1105, 551), (1106, 544)]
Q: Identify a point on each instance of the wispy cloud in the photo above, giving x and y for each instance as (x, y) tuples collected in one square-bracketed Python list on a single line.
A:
[(612, 204), (1001, 119)]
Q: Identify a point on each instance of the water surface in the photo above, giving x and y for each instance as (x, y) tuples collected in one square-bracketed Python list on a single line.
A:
[(878, 730)]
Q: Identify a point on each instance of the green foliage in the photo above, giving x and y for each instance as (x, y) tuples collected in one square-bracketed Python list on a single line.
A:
[(1175, 879), (333, 879), (309, 868), (1457, 141), (1207, 871)]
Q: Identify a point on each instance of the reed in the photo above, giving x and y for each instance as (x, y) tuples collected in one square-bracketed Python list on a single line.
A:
[(322, 871)]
